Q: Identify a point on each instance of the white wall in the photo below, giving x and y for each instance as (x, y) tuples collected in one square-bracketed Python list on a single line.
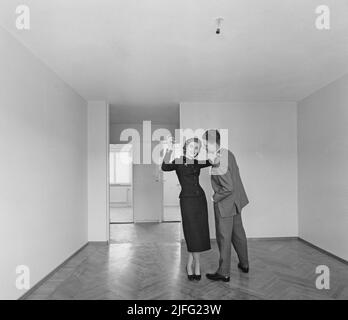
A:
[(323, 168), (43, 167), (98, 153), (263, 137)]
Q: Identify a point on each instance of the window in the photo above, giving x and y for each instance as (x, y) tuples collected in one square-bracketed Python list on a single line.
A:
[(120, 164)]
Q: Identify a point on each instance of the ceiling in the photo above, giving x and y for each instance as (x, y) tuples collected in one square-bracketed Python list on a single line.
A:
[(145, 57)]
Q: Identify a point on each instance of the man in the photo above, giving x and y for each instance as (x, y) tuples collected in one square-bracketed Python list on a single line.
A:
[(229, 199)]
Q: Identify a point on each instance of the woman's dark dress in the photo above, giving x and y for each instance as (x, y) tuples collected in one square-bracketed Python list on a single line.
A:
[(193, 203)]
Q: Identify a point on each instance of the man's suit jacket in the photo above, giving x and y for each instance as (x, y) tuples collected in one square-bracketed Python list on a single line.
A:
[(227, 184)]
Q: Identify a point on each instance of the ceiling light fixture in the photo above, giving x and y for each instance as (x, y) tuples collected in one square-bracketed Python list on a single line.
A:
[(218, 24)]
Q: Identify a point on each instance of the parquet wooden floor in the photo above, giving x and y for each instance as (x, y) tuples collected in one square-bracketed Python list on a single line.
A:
[(279, 269)]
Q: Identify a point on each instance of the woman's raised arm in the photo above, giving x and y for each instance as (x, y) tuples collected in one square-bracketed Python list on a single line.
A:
[(204, 163), (168, 165)]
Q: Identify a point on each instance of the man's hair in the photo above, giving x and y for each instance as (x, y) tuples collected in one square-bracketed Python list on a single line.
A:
[(212, 135)]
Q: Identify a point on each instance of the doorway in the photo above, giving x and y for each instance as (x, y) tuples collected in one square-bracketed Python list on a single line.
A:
[(141, 195), (121, 183)]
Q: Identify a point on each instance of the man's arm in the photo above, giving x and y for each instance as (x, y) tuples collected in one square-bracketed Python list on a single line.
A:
[(226, 188)]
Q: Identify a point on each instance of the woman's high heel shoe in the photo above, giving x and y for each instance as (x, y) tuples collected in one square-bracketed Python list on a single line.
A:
[(198, 277), (191, 277)]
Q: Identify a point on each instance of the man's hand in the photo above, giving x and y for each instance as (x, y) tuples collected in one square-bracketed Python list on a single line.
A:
[(170, 144), (211, 157)]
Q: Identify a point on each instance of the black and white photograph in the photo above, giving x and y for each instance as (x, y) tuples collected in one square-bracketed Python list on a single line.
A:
[(183, 152)]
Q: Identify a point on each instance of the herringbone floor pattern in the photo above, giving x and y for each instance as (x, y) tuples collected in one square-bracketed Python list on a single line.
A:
[(279, 269)]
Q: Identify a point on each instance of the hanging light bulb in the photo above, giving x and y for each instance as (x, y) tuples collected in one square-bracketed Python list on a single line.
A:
[(218, 24)]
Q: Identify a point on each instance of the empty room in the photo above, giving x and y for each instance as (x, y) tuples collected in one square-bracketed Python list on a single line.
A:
[(174, 150)]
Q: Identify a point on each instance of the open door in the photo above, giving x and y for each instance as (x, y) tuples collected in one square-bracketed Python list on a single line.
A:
[(148, 193)]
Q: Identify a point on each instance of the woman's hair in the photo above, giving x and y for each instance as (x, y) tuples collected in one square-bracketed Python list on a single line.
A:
[(190, 140)]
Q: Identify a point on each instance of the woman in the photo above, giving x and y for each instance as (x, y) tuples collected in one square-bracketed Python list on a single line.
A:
[(193, 203)]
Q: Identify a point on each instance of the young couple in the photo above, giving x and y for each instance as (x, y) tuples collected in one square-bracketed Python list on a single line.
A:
[(229, 198)]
